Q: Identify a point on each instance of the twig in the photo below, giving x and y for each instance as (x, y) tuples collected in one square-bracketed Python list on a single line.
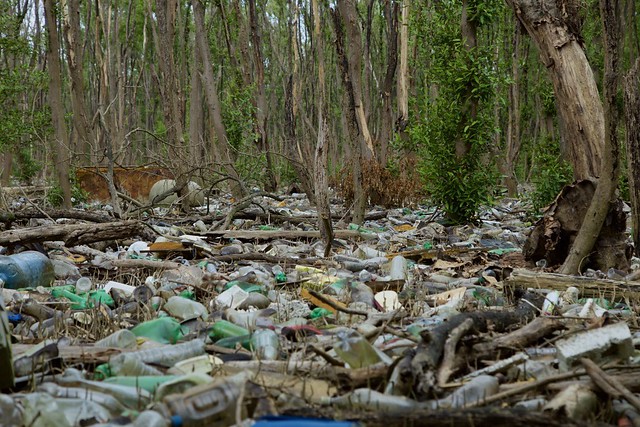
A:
[(336, 306), (609, 384), (326, 356)]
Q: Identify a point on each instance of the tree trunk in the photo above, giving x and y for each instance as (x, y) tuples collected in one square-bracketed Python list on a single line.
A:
[(403, 72), (349, 15), (73, 40), (213, 103), (632, 115), (470, 110), (386, 131), (260, 99), (61, 149), (550, 24), (359, 195), (605, 191), (514, 141), (322, 147)]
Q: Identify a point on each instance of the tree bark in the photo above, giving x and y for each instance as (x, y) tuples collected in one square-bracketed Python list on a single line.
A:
[(322, 146), (213, 103), (605, 191), (386, 130), (73, 41), (577, 99), (403, 72), (359, 196), (514, 141), (632, 115), (61, 149), (261, 112)]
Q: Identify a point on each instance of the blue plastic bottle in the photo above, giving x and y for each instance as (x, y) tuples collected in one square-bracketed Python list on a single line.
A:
[(26, 270)]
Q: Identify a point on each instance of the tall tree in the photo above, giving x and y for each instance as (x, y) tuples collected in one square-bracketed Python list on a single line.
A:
[(61, 148), (554, 26), (609, 168)]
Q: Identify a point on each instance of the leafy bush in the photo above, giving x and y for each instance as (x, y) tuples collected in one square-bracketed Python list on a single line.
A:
[(552, 173), (78, 195)]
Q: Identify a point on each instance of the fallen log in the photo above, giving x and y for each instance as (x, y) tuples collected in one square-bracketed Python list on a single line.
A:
[(9, 217), (588, 287), (284, 234), (73, 234)]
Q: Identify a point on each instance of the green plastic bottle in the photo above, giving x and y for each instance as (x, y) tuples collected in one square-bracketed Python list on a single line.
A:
[(165, 330), (225, 329)]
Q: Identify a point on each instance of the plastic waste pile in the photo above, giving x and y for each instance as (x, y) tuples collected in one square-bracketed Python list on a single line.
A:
[(253, 326)]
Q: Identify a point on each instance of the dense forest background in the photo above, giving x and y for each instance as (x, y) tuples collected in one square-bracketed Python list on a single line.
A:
[(390, 102)]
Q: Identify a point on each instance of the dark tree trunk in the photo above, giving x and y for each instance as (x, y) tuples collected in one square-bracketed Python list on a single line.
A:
[(632, 113)]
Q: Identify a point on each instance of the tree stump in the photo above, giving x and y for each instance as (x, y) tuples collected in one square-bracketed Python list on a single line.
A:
[(554, 233)]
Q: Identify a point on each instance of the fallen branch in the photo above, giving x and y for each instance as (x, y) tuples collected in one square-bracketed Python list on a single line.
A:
[(73, 234)]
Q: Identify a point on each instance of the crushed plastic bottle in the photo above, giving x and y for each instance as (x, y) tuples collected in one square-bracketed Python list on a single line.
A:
[(28, 269), (165, 330), (212, 404), (355, 350)]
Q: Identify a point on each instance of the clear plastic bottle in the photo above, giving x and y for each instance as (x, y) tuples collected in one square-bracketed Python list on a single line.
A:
[(25, 270), (355, 350), (265, 343), (123, 338)]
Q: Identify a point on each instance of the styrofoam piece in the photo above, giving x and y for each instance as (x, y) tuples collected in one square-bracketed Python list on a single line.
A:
[(117, 285)]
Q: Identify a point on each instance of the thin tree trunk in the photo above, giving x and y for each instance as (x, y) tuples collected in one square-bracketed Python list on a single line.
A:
[(470, 110), (213, 103), (632, 115), (386, 131), (196, 110), (322, 146), (359, 196), (61, 151), (514, 141), (605, 191), (73, 40), (261, 113)]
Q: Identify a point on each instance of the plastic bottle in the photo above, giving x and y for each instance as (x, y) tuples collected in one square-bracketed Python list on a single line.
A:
[(186, 309), (355, 350), (265, 343), (166, 355), (83, 285), (279, 274), (131, 366), (28, 269), (212, 404), (398, 269), (225, 329), (123, 338), (165, 330)]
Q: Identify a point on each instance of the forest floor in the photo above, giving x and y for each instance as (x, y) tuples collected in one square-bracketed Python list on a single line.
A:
[(167, 319)]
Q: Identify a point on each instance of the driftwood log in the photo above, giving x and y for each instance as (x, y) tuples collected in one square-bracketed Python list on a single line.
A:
[(418, 369), (284, 234), (73, 234), (588, 287)]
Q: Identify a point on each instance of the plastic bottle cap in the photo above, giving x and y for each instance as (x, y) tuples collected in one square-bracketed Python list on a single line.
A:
[(176, 421)]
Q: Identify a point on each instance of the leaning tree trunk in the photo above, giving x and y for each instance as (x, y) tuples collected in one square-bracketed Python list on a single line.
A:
[(552, 25), (605, 191)]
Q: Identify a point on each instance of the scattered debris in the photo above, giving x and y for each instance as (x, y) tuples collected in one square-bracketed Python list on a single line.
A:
[(165, 321)]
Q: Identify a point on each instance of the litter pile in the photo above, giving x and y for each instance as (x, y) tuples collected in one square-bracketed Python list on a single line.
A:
[(170, 322)]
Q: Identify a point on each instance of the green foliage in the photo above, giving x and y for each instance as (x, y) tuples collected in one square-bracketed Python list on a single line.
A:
[(28, 167), (458, 81), (552, 174), (55, 196), (237, 115)]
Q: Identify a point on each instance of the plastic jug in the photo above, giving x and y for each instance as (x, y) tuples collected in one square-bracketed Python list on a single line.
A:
[(28, 269)]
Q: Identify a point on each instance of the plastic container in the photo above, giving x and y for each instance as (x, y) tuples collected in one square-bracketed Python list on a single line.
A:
[(225, 329), (212, 404), (398, 269), (28, 269), (83, 285), (165, 330), (166, 355), (123, 338), (186, 309), (355, 350), (265, 343)]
